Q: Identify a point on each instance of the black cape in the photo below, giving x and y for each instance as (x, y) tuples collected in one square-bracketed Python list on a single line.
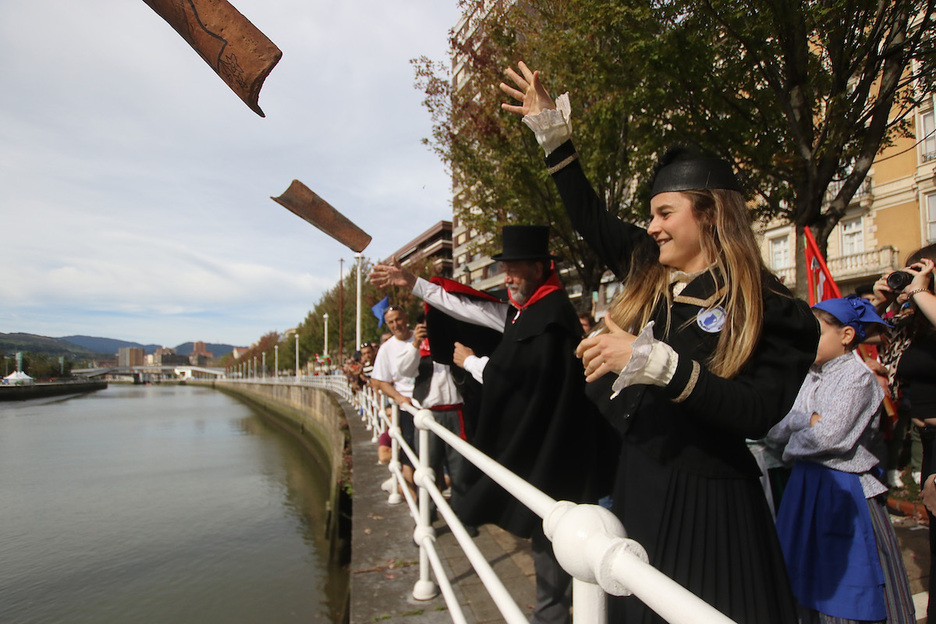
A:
[(535, 419)]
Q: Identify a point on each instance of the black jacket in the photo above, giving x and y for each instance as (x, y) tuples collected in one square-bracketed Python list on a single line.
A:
[(700, 421), (536, 420)]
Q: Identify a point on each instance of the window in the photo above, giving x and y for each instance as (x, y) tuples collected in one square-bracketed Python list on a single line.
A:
[(927, 137), (852, 237), (779, 252), (931, 217)]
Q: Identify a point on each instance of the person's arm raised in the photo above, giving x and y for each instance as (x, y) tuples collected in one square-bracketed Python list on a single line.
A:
[(393, 274)]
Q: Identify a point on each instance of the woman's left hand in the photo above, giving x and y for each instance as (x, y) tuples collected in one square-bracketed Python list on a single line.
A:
[(922, 272), (606, 353)]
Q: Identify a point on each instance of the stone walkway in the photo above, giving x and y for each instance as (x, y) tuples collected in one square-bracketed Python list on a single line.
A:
[(384, 559)]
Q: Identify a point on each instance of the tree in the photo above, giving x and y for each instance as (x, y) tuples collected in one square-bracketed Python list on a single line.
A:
[(800, 95), (496, 165)]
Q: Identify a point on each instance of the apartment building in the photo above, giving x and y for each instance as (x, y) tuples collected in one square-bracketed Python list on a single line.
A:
[(891, 216), (430, 250)]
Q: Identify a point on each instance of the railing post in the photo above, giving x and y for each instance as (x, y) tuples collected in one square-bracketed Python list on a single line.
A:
[(589, 603), (425, 588), (395, 469)]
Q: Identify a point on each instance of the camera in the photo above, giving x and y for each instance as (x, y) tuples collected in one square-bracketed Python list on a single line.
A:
[(898, 280)]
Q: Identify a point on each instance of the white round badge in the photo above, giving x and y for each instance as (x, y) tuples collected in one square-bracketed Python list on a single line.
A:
[(711, 320)]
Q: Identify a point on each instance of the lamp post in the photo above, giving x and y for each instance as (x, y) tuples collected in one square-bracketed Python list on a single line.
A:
[(275, 362), (340, 310), (263, 366), (357, 318), (325, 350), (297, 356)]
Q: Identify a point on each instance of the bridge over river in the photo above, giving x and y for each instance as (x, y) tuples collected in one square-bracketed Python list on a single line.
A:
[(142, 374)]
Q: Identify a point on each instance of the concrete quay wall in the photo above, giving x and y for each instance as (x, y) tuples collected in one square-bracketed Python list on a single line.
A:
[(42, 390)]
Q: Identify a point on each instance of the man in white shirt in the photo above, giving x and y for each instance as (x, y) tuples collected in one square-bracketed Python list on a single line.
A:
[(435, 390), (388, 378)]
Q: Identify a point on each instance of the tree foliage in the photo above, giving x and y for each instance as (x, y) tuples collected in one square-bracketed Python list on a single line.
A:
[(801, 95), (39, 365), (311, 329)]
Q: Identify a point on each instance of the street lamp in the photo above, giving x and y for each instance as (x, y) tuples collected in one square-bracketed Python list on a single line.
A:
[(297, 356), (325, 350), (275, 362), (357, 319), (263, 366)]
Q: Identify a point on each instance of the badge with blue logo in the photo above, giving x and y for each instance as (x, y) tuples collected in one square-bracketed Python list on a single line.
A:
[(711, 320)]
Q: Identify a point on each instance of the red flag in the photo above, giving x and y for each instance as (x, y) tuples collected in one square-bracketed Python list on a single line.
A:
[(819, 279)]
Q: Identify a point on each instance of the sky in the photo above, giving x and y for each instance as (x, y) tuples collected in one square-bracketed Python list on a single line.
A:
[(135, 185)]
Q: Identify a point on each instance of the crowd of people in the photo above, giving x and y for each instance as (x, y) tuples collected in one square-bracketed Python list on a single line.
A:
[(653, 411)]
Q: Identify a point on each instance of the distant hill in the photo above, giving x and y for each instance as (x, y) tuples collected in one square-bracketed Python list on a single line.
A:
[(109, 345), (89, 346), (10, 343), (106, 345)]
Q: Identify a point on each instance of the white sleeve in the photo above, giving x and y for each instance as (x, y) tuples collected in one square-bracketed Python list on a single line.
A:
[(490, 314), (475, 365), (382, 370), (552, 127), (408, 361), (652, 362)]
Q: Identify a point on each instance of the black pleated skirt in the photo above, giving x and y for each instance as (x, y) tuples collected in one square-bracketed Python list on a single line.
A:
[(715, 537)]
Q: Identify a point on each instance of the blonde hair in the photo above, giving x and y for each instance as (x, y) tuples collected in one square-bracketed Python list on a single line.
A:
[(728, 243)]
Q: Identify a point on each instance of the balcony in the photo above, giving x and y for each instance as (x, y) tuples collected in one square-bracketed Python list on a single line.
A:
[(864, 265), (836, 185)]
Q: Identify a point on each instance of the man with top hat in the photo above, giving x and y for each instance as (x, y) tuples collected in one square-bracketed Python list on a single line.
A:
[(534, 417)]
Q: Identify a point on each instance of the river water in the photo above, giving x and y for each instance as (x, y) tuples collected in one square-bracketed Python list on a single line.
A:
[(140, 504)]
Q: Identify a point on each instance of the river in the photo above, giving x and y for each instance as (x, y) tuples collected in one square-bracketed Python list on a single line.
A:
[(164, 503)]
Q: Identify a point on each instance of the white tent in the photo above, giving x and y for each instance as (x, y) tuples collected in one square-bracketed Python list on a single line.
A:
[(18, 378)]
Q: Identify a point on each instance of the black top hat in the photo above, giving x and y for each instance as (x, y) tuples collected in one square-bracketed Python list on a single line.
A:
[(525, 242)]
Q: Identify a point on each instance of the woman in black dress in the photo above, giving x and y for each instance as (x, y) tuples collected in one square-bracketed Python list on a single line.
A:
[(704, 349), (910, 355)]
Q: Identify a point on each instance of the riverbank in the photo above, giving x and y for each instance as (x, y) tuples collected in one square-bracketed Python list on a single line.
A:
[(42, 390)]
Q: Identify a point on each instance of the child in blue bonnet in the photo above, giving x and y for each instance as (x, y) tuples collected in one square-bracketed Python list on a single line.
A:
[(842, 555)]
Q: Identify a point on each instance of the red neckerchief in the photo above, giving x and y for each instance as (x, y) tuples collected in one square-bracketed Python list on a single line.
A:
[(550, 286)]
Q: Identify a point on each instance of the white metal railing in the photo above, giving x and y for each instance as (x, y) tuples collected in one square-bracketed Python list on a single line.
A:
[(589, 541)]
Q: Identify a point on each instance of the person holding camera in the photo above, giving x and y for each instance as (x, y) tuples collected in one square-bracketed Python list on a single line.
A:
[(910, 356)]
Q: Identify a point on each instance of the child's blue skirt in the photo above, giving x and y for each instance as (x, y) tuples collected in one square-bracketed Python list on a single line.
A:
[(829, 545)]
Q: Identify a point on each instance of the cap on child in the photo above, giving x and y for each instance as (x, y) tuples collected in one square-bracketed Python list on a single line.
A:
[(853, 311)]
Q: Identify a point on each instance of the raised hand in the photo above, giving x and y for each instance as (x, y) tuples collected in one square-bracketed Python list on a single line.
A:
[(606, 353), (529, 92), (384, 275), (922, 274)]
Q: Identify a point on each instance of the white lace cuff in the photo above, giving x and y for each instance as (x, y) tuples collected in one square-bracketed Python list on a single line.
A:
[(652, 363), (553, 126)]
